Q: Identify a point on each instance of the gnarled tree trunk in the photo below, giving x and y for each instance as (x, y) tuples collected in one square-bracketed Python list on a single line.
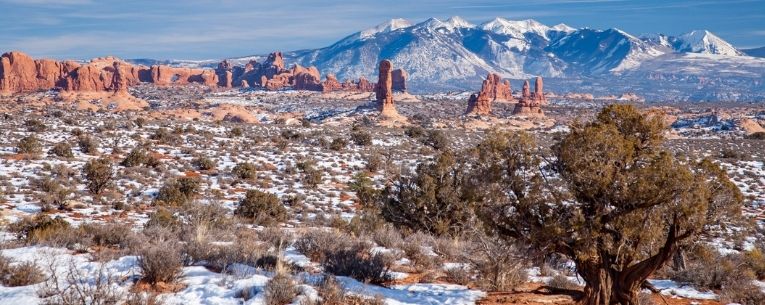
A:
[(608, 287)]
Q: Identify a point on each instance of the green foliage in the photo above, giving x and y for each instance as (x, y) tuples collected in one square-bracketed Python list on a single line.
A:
[(203, 163), (29, 145), (62, 149), (436, 139), (87, 145), (137, 156), (261, 207), (245, 171), (178, 192), (361, 138), (434, 201), (99, 174), (622, 205), (38, 228), (338, 144)]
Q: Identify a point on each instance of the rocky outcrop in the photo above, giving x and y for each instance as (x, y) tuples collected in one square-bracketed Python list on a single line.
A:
[(331, 84), (102, 75), (384, 90), (20, 73), (530, 103), (399, 77), (492, 89), (166, 76)]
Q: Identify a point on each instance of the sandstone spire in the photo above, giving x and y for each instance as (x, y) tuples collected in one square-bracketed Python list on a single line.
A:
[(492, 89), (384, 90), (529, 105)]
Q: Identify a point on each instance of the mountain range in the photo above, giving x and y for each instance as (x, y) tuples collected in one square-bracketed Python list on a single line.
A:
[(455, 54)]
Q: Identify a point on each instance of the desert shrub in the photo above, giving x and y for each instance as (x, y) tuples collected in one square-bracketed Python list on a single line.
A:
[(415, 132), (137, 156), (80, 286), (706, 268), (245, 171), (755, 260), (338, 144), (164, 136), (331, 292), (760, 135), (178, 192), (38, 228), (62, 149), (203, 163), (361, 138), (235, 132), (374, 162), (280, 290), (744, 294), (109, 235), (163, 218), (388, 237), (54, 193), (366, 194), (728, 153), (312, 177), (261, 207), (20, 274), (458, 275), (99, 174), (292, 135), (357, 262), (498, 264), (87, 145), (316, 243), (35, 125), (160, 263), (561, 282), (276, 237), (436, 139), (29, 145)]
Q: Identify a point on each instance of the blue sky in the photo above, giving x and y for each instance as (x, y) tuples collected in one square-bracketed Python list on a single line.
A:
[(200, 29)]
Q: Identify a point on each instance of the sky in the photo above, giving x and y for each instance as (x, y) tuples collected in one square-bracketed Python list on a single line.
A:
[(213, 29)]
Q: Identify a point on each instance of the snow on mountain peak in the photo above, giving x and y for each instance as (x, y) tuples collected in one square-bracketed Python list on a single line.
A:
[(516, 28), (704, 42), (389, 26), (562, 27), (458, 22)]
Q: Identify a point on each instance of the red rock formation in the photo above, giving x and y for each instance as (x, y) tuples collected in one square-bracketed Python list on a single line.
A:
[(21, 73), (364, 85), (225, 74), (101, 74), (399, 80), (384, 90), (529, 105), (539, 94), (165, 76), (493, 88), (479, 104), (331, 84)]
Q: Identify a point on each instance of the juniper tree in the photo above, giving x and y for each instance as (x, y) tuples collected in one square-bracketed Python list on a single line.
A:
[(614, 201)]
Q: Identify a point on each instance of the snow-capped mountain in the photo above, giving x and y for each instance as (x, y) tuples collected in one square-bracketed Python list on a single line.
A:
[(456, 54), (455, 49), (704, 42)]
